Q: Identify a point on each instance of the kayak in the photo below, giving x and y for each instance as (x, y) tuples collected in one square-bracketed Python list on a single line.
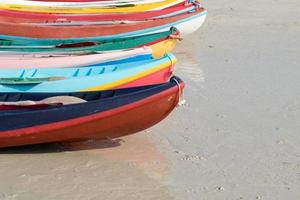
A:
[(186, 23), (97, 9), (44, 61), (160, 43), (96, 115), (32, 17), (77, 4), (102, 77)]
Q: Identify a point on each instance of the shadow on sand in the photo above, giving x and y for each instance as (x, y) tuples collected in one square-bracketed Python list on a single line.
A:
[(63, 147)]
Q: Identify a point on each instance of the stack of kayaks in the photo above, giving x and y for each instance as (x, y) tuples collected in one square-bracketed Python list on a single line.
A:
[(88, 69)]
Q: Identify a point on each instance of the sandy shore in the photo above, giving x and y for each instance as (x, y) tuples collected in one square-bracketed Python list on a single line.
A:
[(237, 137)]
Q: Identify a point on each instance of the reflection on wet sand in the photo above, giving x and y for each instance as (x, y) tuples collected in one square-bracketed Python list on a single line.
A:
[(131, 167), (136, 151)]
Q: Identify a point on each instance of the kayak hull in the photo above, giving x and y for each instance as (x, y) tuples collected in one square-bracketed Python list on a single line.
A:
[(185, 23), (32, 17), (117, 122), (82, 10), (94, 78), (159, 42), (10, 62)]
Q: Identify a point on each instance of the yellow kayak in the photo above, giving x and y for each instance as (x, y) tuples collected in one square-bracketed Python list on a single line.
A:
[(88, 10)]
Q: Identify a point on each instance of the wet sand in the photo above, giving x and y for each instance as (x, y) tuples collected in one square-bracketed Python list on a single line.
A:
[(236, 138)]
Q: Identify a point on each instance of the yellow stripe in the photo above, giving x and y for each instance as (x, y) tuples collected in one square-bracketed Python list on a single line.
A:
[(47, 9), (131, 78)]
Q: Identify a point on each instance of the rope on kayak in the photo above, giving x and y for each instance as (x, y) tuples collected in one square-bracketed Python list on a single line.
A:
[(181, 99)]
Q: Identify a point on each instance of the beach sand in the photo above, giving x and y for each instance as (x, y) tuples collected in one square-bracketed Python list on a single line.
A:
[(236, 138)]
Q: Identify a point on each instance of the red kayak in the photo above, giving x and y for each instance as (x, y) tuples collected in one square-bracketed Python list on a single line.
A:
[(74, 31), (112, 114), (31, 17)]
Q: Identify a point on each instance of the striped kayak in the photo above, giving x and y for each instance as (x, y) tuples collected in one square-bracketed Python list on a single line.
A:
[(160, 43), (186, 23), (112, 114), (92, 78), (97, 9), (32, 17), (77, 4)]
